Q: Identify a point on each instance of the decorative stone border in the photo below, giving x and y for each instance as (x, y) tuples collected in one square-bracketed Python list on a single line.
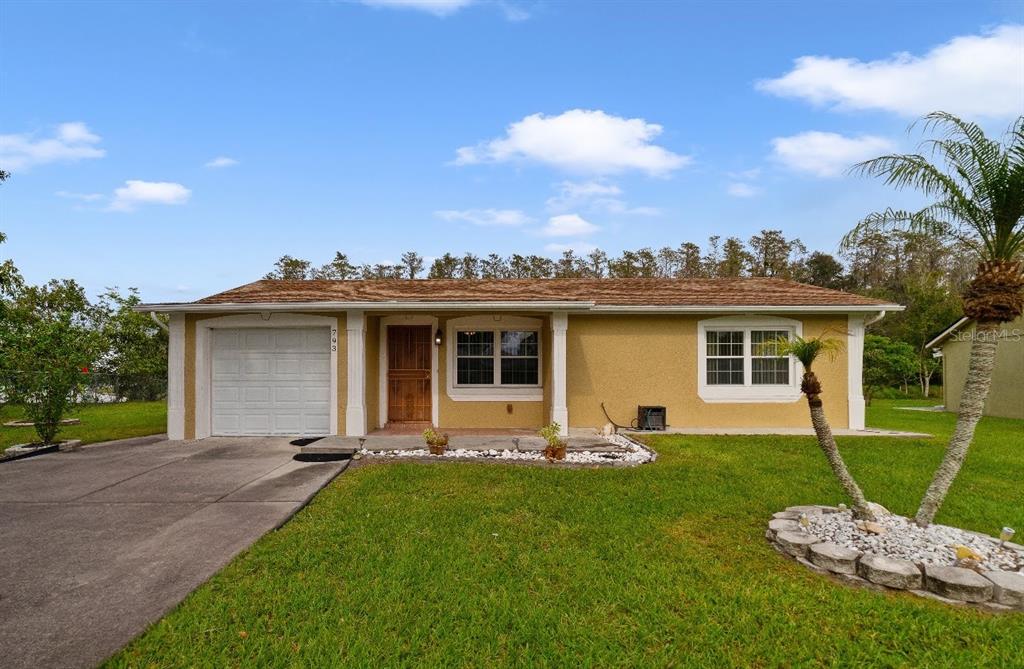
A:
[(632, 453), (26, 450), (992, 590)]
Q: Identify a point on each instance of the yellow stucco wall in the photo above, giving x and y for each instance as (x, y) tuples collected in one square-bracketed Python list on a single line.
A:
[(190, 366), (1005, 397), (621, 360), (626, 361)]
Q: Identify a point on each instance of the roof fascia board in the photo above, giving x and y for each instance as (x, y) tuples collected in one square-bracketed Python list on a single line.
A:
[(509, 306), (947, 332)]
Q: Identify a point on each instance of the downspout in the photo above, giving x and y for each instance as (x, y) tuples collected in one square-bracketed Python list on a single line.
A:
[(163, 326), (874, 319)]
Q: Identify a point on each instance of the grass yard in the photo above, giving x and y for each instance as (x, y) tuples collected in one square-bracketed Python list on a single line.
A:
[(100, 422), (452, 565)]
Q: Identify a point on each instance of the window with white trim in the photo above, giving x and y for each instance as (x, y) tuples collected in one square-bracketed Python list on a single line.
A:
[(739, 361), (514, 362)]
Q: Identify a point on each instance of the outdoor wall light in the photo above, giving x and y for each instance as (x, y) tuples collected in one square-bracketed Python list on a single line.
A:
[(1005, 536), (438, 337)]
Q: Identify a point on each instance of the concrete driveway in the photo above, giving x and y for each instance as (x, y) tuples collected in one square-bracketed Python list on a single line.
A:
[(98, 543)]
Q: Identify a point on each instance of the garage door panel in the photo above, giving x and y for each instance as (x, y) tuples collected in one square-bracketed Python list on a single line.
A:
[(224, 395), (226, 423), (287, 366), (226, 339), (272, 381)]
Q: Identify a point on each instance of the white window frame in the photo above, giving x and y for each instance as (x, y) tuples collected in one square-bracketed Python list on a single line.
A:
[(748, 392), (494, 392)]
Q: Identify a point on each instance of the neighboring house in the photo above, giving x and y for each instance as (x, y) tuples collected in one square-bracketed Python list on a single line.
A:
[(1006, 396), (347, 357)]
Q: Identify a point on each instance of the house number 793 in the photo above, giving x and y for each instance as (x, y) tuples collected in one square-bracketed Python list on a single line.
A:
[(334, 339)]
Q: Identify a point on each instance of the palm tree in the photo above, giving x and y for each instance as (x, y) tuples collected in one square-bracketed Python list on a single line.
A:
[(977, 188), (807, 351)]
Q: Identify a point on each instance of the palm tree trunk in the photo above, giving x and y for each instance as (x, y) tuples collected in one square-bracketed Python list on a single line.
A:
[(835, 460), (972, 404)]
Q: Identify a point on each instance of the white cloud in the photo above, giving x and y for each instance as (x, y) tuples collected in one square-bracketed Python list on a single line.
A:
[(135, 193), (579, 140), (971, 75), (221, 161), (827, 154), (568, 225), (70, 142), (740, 189), (84, 197), (581, 248), (597, 196), (485, 217), (435, 7)]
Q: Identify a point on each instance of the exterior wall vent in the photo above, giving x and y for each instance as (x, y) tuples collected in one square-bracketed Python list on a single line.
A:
[(650, 418)]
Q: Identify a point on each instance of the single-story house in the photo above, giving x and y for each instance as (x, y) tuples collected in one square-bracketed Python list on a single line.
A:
[(953, 345), (349, 357)]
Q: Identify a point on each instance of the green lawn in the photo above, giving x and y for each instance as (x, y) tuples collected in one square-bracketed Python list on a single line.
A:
[(452, 565), (100, 422)]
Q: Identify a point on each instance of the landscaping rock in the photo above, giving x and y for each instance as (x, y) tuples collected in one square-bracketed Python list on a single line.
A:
[(834, 558), (781, 525), (795, 543), (878, 509), (1008, 588), (785, 515), (809, 509), (957, 583), (890, 572), (873, 527)]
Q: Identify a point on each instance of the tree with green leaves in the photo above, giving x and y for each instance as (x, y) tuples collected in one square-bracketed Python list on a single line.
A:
[(976, 188), (444, 267), (772, 255), (339, 269), (413, 264), (807, 351), (290, 268), (48, 342), (887, 362), (134, 360)]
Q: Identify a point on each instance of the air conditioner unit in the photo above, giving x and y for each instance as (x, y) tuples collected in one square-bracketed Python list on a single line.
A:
[(651, 418)]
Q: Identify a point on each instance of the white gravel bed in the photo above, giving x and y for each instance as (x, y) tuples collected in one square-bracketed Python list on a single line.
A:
[(904, 540), (631, 453)]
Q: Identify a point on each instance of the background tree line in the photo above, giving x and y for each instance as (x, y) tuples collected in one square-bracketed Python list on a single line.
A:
[(925, 272)]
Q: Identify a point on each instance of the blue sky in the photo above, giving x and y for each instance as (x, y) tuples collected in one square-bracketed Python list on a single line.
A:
[(373, 128)]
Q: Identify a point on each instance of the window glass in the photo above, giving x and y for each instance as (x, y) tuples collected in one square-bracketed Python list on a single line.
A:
[(475, 371), (477, 343), (474, 352), (520, 350), (725, 357), (519, 343), (766, 366)]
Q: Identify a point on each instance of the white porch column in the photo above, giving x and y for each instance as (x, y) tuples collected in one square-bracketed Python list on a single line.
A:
[(176, 377), (559, 407), (355, 408), (855, 371)]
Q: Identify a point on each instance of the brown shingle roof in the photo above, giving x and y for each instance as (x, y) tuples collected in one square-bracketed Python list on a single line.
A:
[(604, 292)]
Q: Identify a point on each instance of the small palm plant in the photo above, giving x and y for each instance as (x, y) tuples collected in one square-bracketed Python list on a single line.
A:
[(807, 352)]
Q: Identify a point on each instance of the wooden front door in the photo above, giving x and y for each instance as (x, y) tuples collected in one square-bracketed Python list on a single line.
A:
[(409, 352)]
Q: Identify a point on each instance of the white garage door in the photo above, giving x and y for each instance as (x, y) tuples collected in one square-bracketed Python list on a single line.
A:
[(272, 381)]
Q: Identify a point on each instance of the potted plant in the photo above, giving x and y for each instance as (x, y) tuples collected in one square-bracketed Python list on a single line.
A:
[(555, 450), (437, 443)]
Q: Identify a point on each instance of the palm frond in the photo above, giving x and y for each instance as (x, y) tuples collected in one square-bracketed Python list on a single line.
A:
[(807, 350)]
